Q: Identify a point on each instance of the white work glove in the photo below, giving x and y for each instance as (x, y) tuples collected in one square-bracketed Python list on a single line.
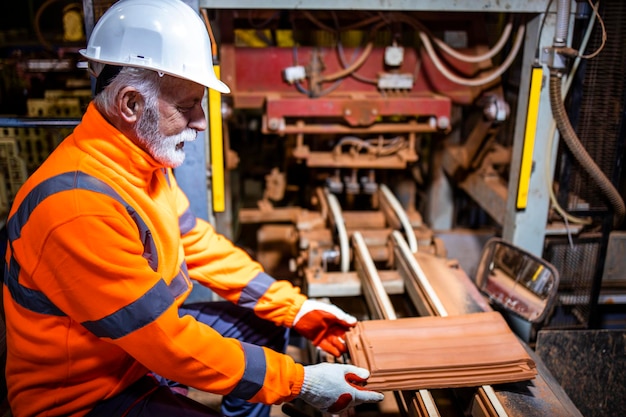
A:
[(325, 325), (334, 387)]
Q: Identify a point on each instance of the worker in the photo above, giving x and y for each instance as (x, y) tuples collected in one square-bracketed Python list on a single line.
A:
[(103, 249)]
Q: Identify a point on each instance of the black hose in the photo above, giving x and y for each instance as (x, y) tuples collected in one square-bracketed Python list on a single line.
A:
[(580, 153)]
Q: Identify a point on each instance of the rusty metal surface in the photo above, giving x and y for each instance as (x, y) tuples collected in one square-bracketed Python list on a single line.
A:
[(490, 192), (358, 161), (362, 109), (347, 284), (540, 397), (453, 289), (256, 75)]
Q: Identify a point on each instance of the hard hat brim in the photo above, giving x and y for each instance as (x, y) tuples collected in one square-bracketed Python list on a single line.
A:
[(209, 82)]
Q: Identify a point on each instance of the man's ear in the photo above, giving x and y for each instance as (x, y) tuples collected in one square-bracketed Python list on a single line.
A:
[(130, 104)]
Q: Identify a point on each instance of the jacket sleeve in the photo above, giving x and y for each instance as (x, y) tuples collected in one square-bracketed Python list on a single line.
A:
[(217, 263), (112, 291)]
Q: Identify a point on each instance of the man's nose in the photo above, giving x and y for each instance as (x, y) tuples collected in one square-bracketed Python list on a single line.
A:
[(198, 119)]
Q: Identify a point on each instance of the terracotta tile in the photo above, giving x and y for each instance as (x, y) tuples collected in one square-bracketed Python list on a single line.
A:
[(439, 352)]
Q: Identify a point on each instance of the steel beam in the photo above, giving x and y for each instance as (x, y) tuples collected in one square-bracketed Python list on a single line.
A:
[(527, 228), (504, 6)]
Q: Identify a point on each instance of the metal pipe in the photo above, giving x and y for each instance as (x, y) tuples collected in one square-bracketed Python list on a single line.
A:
[(562, 23), (372, 284), (399, 211), (340, 226)]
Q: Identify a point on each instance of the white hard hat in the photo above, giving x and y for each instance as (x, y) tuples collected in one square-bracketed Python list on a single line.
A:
[(166, 36)]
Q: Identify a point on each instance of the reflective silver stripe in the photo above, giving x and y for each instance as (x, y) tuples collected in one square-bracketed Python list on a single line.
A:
[(37, 301), (71, 181), (181, 282), (134, 316), (28, 298), (186, 222), (253, 375), (255, 289)]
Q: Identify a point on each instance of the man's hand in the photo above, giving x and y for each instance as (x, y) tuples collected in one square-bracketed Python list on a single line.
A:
[(334, 387), (325, 325)]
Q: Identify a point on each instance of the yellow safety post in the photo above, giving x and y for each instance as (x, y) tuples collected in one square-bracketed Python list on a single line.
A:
[(216, 140), (529, 137), (217, 147)]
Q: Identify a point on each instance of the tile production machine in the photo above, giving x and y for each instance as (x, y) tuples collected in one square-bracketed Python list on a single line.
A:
[(369, 150)]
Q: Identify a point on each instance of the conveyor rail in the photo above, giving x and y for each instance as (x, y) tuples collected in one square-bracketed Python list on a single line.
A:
[(380, 306), (433, 285)]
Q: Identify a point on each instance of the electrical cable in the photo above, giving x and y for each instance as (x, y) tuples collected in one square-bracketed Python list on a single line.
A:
[(567, 217), (263, 24), (541, 26), (580, 153), (362, 23), (317, 23), (358, 62), (341, 54), (604, 36), (302, 89), (344, 64), (330, 89), (425, 36), (345, 71), (577, 148), (478, 81), (377, 147), (353, 67), (504, 37)]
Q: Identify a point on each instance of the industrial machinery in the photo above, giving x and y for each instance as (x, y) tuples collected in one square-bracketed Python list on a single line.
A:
[(446, 113), (369, 150), (361, 138)]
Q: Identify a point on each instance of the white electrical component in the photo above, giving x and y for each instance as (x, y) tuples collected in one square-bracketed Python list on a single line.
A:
[(394, 55), (295, 73), (389, 81)]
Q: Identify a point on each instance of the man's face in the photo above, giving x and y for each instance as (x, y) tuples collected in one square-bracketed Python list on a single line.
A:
[(176, 118)]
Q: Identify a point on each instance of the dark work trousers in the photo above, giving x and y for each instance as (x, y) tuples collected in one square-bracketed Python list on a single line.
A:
[(153, 396)]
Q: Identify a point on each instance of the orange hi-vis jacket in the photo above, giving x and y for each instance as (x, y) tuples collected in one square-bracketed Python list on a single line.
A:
[(102, 248)]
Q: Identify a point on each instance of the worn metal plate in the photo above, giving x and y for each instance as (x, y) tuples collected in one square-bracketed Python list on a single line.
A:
[(615, 265), (590, 366)]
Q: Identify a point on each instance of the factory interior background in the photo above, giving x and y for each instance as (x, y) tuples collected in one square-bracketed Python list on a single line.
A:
[(403, 146)]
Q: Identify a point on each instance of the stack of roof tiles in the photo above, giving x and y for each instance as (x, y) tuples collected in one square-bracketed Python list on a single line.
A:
[(439, 352)]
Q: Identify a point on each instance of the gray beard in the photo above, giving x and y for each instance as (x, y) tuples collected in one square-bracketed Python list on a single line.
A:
[(167, 150)]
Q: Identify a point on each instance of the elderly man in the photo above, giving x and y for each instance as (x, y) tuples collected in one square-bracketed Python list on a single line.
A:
[(103, 249)]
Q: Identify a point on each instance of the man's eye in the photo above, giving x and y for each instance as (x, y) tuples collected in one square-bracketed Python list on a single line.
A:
[(185, 109)]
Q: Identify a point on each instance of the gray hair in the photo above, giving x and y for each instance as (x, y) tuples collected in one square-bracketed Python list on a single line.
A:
[(145, 81)]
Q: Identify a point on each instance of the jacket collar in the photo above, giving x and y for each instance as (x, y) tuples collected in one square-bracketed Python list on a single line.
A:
[(106, 144)]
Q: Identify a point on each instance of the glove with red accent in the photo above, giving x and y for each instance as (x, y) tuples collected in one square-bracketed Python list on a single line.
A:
[(325, 325), (334, 387)]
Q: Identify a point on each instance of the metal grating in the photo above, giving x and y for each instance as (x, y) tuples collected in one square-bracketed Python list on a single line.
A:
[(22, 150), (601, 106), (577, 268)]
